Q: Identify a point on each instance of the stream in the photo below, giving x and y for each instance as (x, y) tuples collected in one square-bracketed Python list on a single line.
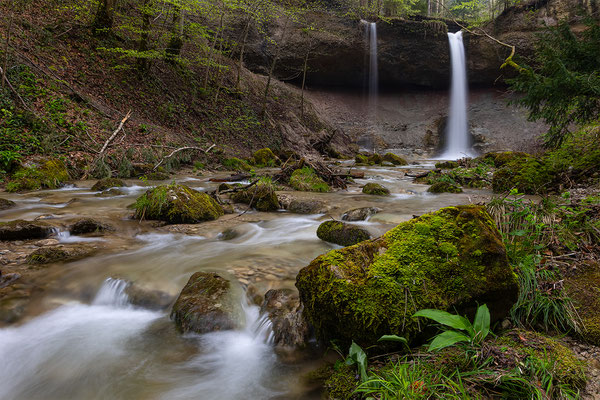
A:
[(81, 338)]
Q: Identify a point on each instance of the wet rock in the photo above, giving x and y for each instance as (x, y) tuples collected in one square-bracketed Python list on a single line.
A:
[(204, 305), (147, 298), (12, 308), (444, 187), (446, 165), (291, 330), (453, 258), (48, 174), (46, 242), (89, 225), (265, 158), (8, 279), (177, 204), (23, 230), (6, 204), (341, 233), (107, 183), (394, 159), (60, 253), (360, 214), (376, 189), (110, 193), (228, 234), (308, 206), (261, 196)]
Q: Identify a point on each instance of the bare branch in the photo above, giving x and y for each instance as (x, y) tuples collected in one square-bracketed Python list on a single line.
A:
[(182, 149)]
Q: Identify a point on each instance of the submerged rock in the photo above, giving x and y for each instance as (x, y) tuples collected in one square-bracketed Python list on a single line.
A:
[(60, 253), (110, 193), (23, 230), (451, 259), (89, 225), (444, 187), (177, 204), (147, 298), (341, 233), (308, 206), (107, 183), (261, 196), (204, 305), (360, 214), (290, 328), (376, 189), (6, 204)]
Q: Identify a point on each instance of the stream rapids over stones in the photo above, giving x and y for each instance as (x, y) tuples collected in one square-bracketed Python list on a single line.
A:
[(100, 327)]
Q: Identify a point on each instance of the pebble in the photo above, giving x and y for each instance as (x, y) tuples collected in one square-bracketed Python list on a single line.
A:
[(46, 242)]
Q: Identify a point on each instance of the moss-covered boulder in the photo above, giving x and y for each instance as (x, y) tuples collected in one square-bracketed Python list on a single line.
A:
[(89, 225), (236, 164), (499, 159), (583, 287), (107, 183), (375, 159), (444, 187), (23, 230), (361, 159), (360, 214), (342, 233), (177, 204), (307, 180), (451, 259), (446, 165), (50, 174), (376, 189), (261, 196), (528, 175), (204, 305), (60, 253), (6, 204), (394, 159), (307, 206), (265, 158)]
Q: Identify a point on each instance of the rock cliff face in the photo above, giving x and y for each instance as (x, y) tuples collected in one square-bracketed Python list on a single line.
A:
[(411, 52)]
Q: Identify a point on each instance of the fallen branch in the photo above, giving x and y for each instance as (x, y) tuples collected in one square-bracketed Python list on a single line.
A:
[(237, 189), (182, 149), (114, 134)]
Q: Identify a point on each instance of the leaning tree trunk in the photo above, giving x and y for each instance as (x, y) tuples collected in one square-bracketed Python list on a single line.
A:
[(105, 15)]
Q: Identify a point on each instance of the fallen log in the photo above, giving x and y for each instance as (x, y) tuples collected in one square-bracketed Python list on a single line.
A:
[(232, 178)]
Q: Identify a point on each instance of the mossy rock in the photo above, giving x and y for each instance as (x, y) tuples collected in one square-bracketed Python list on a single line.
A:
[(204, 305), (261, 196), (51, 174), (341, 233), (338, 381), (107, 183), (308, 206), (583, 287), (307, 180), (444, 187), (23, 230), (360, 214), (89, 225), (53, 254), (6, 204), (446, 165), (290, 328), (375, 159), (376, 189), (361, 159), (394, 159), (265, 158), (236, 164), (452, 259), (527, 175), (502, 158), (177, 204)]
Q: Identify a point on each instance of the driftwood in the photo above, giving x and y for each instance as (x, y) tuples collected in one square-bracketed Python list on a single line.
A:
[(320, 168), (182, 149), (114, 134), (322, 142), (232, 178)]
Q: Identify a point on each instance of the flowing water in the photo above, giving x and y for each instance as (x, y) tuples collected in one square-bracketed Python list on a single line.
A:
[(81, 338), (457, 137)]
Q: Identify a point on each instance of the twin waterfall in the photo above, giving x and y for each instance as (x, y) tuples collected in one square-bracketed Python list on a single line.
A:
[(458, 143)]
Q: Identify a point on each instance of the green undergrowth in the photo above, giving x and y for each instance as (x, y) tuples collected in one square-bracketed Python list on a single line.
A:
[(478, 176), (307, 180), (237, 164), (50, 174)]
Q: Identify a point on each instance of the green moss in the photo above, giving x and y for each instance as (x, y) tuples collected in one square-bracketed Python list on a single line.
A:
[(236, 164), (47, 255), (528, 175), (394, 159), (50, 175), (376, 189), (157, 176), (341, 383), (341, 233), (265, 158), (261, 196), (306, 180), (447, 165), (107, 183), (444, 187), (583, 287), (177, 204), (370, 289), (361, 159), (375, 159)]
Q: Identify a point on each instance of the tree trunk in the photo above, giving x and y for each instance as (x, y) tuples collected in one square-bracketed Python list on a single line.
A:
[(272, 69), (142, 61), (242, 48), (304, 69), (212, 49), (176, 43), (105, 15)]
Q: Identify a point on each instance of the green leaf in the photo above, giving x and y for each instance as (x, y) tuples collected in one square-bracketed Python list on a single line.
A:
[(393, 338), (481, 324), (445, 318), (358, 355), (446, 339)]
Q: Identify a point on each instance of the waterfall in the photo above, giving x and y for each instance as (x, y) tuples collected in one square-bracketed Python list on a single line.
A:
[(457, 129), (373, 68)]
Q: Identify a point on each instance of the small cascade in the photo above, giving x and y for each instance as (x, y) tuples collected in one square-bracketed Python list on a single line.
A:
[(457, 132), (112, 293)]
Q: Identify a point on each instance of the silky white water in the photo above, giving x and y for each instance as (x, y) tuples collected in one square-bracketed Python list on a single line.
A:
[(457, 130), (373, 67)]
